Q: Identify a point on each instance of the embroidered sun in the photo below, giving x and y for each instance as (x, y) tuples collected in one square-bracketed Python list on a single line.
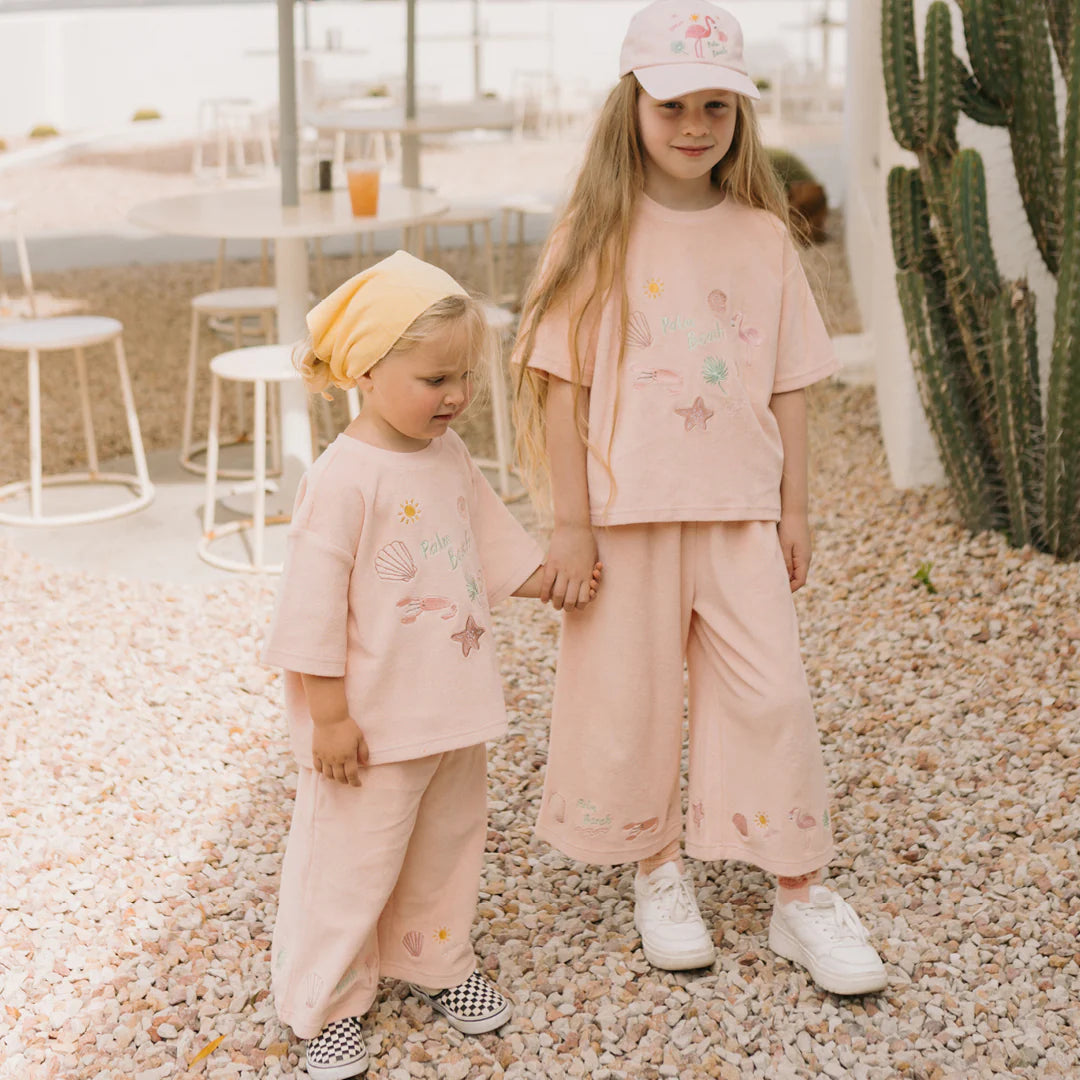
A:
[(654, 288), (761, 819), (442, 935), (409, 512)]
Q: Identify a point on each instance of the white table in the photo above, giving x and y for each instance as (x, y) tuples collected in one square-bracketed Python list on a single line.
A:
[(249, 213)]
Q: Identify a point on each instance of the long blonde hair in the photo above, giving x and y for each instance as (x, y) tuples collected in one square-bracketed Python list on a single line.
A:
[(482, 346), (588, 245)]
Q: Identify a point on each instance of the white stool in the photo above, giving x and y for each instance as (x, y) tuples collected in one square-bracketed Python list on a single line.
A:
[(233, 305), (502, 321), (518, 209), (264, 366), (469, 220), (35, 336)]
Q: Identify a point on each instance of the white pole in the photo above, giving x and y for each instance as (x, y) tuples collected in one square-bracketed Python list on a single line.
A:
[(410, 143), (287, 123)]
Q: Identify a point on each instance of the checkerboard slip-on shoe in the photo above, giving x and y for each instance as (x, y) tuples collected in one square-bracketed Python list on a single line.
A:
[(473, 1007), (826, 937), (673, 934), (338, 1051)]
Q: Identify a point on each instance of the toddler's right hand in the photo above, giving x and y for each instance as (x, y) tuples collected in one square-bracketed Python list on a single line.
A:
[(338, 750), (569, 574)]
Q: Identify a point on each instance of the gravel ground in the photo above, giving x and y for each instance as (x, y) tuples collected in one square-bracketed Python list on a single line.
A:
[(146, 792), (146, 789)]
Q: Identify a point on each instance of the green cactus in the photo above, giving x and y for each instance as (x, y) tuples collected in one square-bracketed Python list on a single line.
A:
[(900, 62), (1014, 358), (972, 334), (1059, 14), (948, 406), (1063, 386), (940, 82), (909, 219), (971, 227)]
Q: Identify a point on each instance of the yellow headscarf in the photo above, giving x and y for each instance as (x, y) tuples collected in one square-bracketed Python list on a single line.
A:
[(359, 322)]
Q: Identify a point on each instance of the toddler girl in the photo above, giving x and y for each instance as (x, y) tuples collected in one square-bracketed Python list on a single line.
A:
[(397, 548), (664, 351)]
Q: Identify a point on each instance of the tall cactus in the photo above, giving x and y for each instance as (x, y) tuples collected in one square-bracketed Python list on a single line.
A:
[(972, 334)]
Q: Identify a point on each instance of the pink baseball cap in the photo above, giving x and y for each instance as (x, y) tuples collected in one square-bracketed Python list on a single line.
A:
[(676, 47)]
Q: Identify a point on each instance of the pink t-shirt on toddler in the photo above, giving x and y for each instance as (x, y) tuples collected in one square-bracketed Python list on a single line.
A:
[(393, 562), (721, 318)]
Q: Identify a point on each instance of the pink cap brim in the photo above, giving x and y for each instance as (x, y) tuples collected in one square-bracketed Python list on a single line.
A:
[(667, 81)]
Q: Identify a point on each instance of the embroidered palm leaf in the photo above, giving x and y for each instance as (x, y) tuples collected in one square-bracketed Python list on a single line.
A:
[(715, 371)]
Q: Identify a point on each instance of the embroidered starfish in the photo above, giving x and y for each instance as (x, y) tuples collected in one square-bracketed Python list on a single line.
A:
[(469, 637), (696, 414)]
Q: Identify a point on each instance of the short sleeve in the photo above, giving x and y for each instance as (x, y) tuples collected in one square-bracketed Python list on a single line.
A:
[(309, 631), (804, 352), (508, 555)]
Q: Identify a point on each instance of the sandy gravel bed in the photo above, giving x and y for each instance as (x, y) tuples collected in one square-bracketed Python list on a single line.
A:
[(146, 793)]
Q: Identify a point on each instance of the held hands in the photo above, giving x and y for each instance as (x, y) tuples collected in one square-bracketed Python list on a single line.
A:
[(571, 573), (793, 530), (338, 751)]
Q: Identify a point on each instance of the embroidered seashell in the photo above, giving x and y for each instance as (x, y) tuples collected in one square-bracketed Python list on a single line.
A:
[(638, 335), (314, 990), (717, 301), (394, 562), (740, 823), (558, 807), (413, 942)]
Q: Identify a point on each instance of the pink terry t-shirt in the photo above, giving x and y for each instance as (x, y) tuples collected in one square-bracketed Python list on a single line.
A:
[(721, 318), (393, 562)]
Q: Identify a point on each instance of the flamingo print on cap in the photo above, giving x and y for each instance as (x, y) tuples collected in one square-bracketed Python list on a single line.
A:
[(698, 32)]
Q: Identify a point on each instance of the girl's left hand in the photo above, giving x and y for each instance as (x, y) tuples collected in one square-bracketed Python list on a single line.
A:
[(794, 533)]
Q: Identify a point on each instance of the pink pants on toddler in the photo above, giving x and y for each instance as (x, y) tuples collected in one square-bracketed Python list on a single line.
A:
[(378, 880)]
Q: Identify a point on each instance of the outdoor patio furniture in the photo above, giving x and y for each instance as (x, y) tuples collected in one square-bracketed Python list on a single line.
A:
[(75, 334), (9, 225), (515, 212), (504, 323), (230, 123), (257, 213), (232, 306), (470, 221), (262, 366)]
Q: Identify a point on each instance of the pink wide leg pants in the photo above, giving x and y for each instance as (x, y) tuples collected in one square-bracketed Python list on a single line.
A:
[(716, 595), (378, 880)]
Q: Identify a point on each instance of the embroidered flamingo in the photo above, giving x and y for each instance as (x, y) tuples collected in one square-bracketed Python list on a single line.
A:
[(415, 606), (699, 33), (671, 381), (749, 335), (802, 819)]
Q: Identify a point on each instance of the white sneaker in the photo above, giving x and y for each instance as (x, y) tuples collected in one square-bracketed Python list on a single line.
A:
[(826, 937), (673, 935)]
